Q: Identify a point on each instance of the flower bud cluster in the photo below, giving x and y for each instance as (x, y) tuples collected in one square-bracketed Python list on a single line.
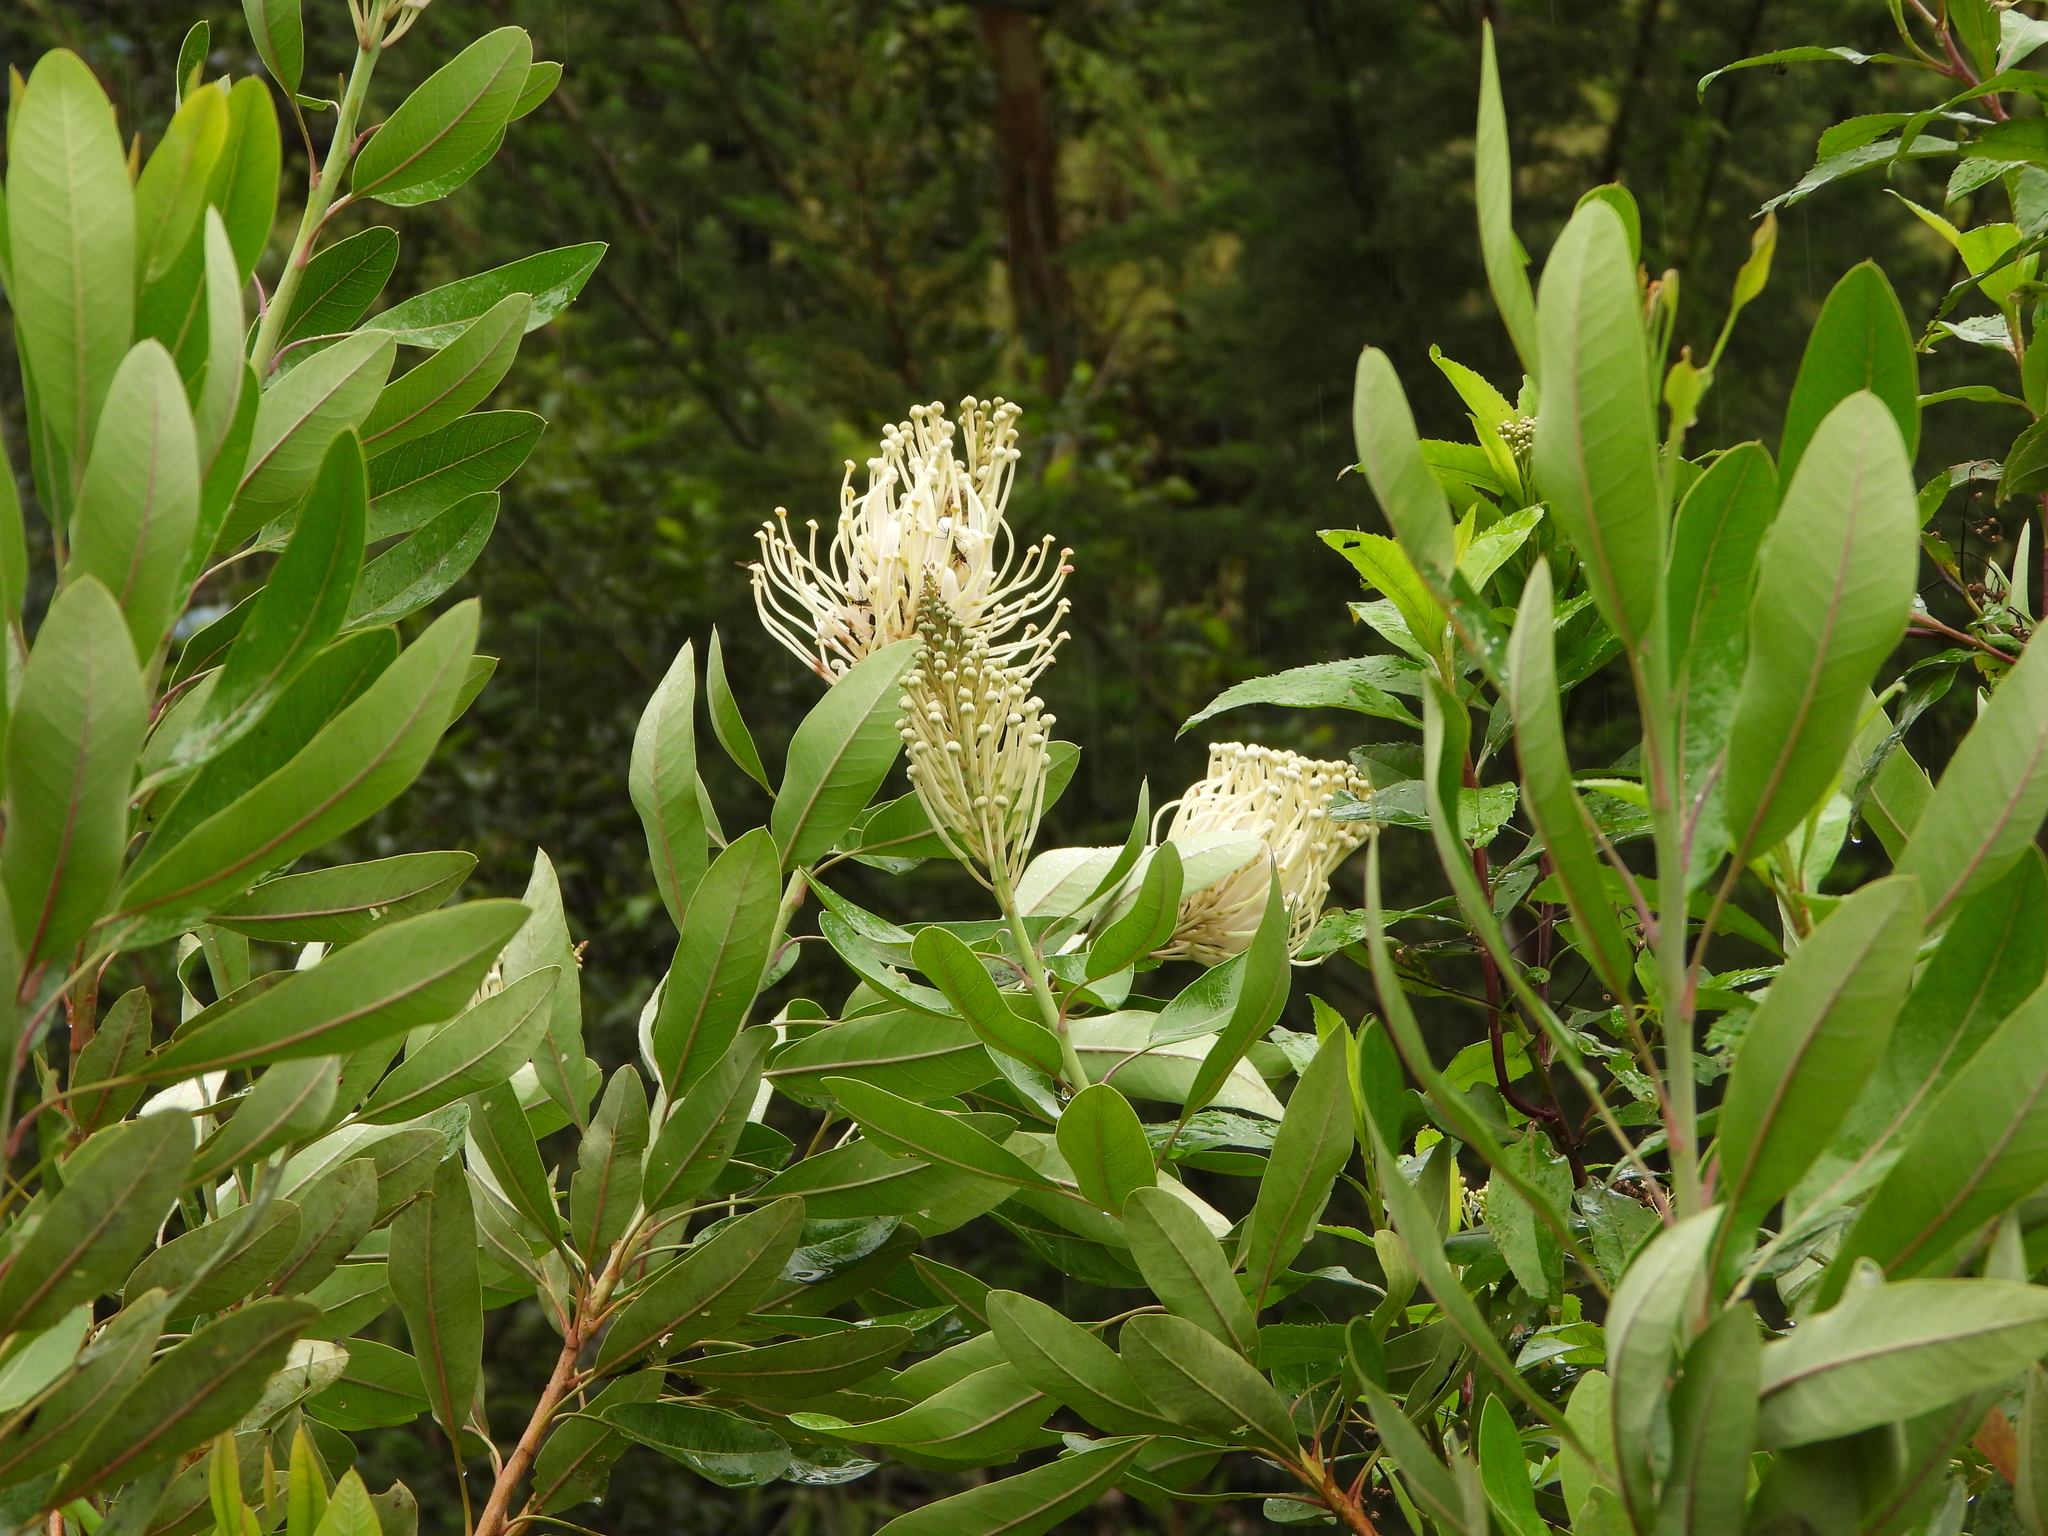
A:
[(1283, 799)]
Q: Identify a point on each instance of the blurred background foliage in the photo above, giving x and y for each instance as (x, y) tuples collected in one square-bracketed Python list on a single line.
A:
[(1164, 226)]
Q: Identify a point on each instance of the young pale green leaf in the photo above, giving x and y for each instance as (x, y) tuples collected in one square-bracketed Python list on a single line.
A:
[(357, 764), (437, 317), (606, 1184), (1596, 432), (340, 284), (1391, 456), (1550, 796), (839, 755), (290, 1103), (801, 1368), (696, 1141), (1262, 993), (1186, 1267), (1103, 1141), (1198, 1381), (1071, 1365), (188, 1396), (139, 501), (545, 943), (575, 1463), (414, 484), (71, 247), (916, 1130), (662, 780), (445, 386), (1860, 342), (1644, 1321), (433, 1274), (1833, 588), (444, 125), (1503, 1469), (117, 1189), (728, 936), (410, 973), (1886, 1352), (297, 421), (1493, 187), (217, 403), (72, 735), (1147, 924), (475, 1051), (1811, 1044), (334, 906), (1029, 1504), (1713, 1430), (279, 34), (960, 975), (306, 1488), (407, 577), (171, 191), (710, 1287), (502, 1136), (727, 724), (1313, 1144), (1991, 798), (245, 174)]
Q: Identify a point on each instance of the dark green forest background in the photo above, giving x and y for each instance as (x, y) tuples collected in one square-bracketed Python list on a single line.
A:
[(1165, 226)]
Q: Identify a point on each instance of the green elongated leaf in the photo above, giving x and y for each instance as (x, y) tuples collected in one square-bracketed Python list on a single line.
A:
[(117, 1189), (280, 38), (708, 1288), (1313, 1145), (335, 906), (33, 1444), (189, 1395), (913, 1055), (541, 81), (1833, 588), (1029, 1504), (1261, 994), (800, 1368), (697, 1140), (1103, 1141), (290, 1103), (839, 755), (192, 59), (13, 534), (1552, 800), (1886, 1352), (1596, 433), (1644, 1340), (606, 1185), (1198, 1381), (1991, 798), (1982, 1148), (662, 781), (456, 114), (575, 1463), (1860, 342), (115, 1050), (932, 1135), (1428, 1482), (244, 181), (356, 765), (1358, 683), (217, 405), (1071, 1365), (213, 1266), (418, 971), (500, 1133), (959, 973), (727, 724), (1149, 921), (71, 248), (1503, 1469), (405, 1166), (553, 278), (433, 1275), (171, 191), (1186, 1267), (415, 483), (340, 284), (1391, 456), (1493, 188), (72, 735), (1721, 524), (545, 942), (471, 1053), (446, 385), (379, 1386), (297, 421), (720, 1447), (224, 469), (861, 1179), (335, 1212), (1812, 1043), (985, 1418), (1713, 1430), (728, 937)]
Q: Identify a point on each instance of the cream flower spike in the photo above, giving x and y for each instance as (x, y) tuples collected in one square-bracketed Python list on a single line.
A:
[(1282, 799), (925, 514)]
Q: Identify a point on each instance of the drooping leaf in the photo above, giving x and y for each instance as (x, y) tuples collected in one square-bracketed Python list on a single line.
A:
[(289, 1103), (444, 387), (1198, 1381), (1029, 1504), (434, 1277), (553, 278), (800, 1368), (575, 1462), (721, 1447), (415, 483), (1071, 1365), (1186, 1267), (726, 721), (958, 972), (335, 906)]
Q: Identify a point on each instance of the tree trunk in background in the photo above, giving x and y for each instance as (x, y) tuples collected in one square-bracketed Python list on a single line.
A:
[(1030, 165)]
